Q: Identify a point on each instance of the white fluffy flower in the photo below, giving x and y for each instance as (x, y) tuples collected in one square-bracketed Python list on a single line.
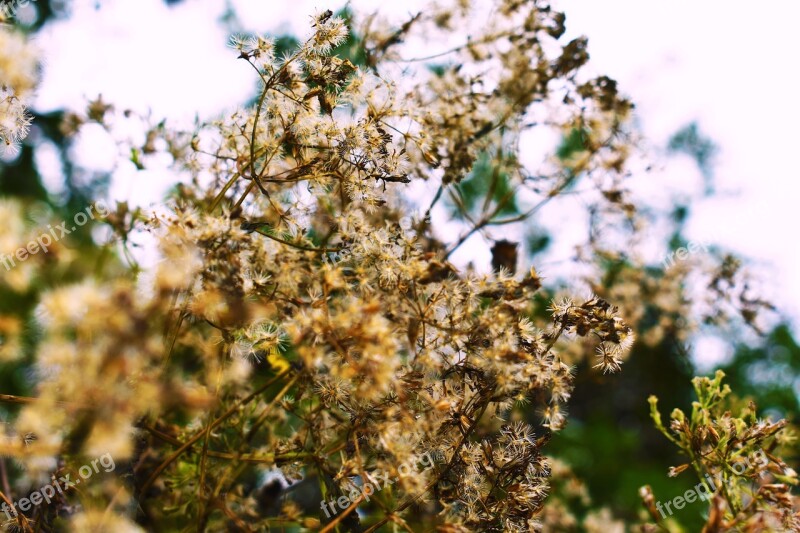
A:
[(18, 76)]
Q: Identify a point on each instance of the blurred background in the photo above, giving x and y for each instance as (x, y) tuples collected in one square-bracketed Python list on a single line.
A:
[(713, 88)]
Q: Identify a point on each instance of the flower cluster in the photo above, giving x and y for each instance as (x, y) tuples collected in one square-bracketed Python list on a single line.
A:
[(18, 76), (304, 322), (736, 458), (293, 322)]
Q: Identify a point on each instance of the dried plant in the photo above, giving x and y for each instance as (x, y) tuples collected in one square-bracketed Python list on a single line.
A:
[(304, 328), (18, 76)]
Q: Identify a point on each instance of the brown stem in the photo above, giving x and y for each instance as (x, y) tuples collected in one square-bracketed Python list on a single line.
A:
[(402, 507), (229, 456), (342, 516), (4, 476), (21, 518), (189, 443), (293, 245)]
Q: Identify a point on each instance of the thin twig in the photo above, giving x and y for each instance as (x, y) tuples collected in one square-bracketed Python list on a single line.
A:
[(189, 443), (343, 515), (402, 507), (294, 245)]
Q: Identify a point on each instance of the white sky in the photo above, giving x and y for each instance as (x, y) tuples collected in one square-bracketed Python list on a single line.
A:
[(726, 65), (732, 67)]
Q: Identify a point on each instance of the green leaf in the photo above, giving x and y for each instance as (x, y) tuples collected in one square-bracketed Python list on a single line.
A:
[(487, 178), (572, 143), (136, 159)]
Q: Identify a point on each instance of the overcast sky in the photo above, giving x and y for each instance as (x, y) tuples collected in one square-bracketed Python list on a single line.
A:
[(729, 68)]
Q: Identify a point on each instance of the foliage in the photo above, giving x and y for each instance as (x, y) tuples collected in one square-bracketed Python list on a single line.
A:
[(768, 372), (691, 142), (736, 459)]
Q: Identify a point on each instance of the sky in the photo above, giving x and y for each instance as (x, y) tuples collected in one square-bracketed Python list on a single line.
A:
[(726, 66)]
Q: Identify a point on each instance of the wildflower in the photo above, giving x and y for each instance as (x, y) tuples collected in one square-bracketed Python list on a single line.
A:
[(329, 32), (18, 76), (609, 357)]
